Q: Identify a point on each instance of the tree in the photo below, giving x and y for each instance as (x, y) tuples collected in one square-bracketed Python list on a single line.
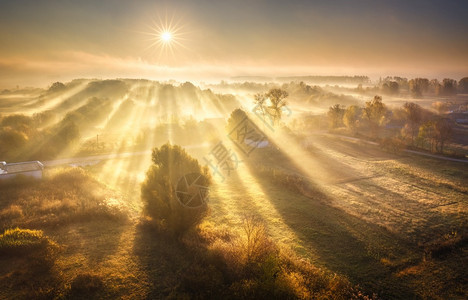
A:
[(11, 142), (418, 86), (463, 85), (413, 117), (237, 116), (158, 191), (260, 100), (351, 117), (276, 97), (437, 132), (443, 132), (391, 88), (56, 87), (335, 115), (270, 105), (449, 87), (375, 112), (426, 134), (435, 87)]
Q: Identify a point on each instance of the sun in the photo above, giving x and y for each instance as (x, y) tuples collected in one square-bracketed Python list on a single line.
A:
[(166, 36)]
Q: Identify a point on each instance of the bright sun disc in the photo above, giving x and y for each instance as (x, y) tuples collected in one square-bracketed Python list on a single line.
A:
[(166, 36)]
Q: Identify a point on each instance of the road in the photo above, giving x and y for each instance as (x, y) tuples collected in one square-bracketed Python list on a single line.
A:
[(94, 159), (89, 160)]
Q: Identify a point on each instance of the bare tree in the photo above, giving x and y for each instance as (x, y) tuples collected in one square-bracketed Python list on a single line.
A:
[(277, 102)]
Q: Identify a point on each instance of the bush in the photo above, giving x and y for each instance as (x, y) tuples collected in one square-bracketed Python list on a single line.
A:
[(290, 181), (39, 249), (444, 245), (252, 266), (158, 191), (393, 145), (85, 285)]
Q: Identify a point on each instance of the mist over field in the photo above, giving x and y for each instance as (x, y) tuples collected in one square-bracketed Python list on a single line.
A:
[(212, 150)]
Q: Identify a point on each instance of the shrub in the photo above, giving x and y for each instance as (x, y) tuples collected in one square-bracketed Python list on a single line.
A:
[(290, 181), (22, 241), (171, 163), (393, 145), (444, 245), (85, 285), (33, 244), (254, 267)]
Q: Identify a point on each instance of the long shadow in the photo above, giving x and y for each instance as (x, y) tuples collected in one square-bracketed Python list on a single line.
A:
[(173, 269), (334, 236)]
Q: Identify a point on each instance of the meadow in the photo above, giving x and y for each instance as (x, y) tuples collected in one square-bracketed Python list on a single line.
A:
[(333, 217)]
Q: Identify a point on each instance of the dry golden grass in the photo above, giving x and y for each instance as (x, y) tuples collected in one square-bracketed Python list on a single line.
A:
[(62, 197), (252, 266)]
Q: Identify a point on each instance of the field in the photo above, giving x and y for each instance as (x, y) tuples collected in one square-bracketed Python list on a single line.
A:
[(393, 224)]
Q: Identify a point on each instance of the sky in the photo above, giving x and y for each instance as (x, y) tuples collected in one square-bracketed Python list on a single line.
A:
[(58, 40)]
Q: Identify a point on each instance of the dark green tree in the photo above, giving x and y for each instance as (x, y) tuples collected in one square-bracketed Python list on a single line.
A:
[(158, 191)]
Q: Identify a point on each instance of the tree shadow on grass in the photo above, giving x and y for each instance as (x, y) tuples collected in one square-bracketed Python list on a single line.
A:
[(168, 263), (343, 243)]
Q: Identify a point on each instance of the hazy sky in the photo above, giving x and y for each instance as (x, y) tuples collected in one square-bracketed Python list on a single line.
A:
[(49, 40)]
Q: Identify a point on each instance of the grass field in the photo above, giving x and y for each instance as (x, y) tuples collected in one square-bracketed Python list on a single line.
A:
[(394, 225), (372, 220)]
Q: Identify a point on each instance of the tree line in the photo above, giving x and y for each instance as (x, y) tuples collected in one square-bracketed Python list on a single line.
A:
[(419, 87), (415, 126)]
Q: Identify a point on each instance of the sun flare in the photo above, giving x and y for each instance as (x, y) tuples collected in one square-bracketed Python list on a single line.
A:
[(166, 36)]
